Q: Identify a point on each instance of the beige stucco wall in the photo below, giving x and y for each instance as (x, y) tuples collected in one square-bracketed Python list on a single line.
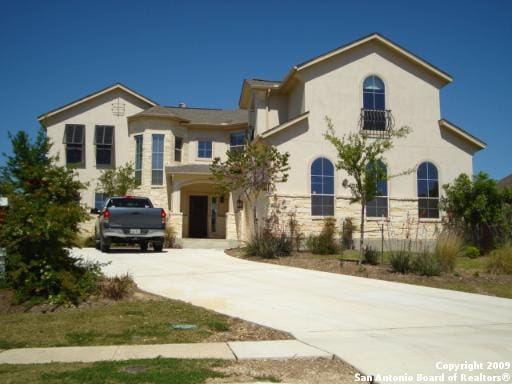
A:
[(97, 111), (334, 89)]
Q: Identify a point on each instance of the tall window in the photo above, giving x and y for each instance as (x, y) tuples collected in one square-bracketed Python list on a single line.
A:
[(74, 139), (204, 149), (104, 140), (139, 141), (374, 104), (237, 141), (99, 200), (428, 191), (178, 148), (378, 207), (322, 187), (157, 160)]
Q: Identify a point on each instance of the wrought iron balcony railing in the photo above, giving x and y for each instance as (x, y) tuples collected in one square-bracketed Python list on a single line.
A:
[(376, 123)]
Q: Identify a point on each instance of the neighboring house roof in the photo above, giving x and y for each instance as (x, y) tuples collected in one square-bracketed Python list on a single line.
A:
[(506, 182), (285, 125), (201, 169), (94, 95), (443, 123), (444, 77)]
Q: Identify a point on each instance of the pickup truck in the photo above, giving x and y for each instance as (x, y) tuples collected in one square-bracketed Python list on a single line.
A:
[(130, 219)]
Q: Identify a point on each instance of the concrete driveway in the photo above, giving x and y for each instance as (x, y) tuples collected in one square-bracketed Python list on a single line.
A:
[(379, 327)]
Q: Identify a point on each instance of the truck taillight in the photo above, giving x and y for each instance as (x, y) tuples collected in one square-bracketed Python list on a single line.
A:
[(106, 214), (163, 215)]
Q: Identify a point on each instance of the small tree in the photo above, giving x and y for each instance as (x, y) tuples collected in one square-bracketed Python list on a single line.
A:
[(478, 209), (251, 172), (41, 224), (117, 181), (360, 156)]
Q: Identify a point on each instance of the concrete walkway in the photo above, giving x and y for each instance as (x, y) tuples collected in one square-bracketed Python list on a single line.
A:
[(237, 350), (379, 327)]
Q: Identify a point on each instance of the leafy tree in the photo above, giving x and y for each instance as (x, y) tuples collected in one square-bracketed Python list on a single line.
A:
[(251, 172), (41, 224), (361, 157), (117, 181), (479, 209)]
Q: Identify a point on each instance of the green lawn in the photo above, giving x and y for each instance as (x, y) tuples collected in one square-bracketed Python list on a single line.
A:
[(134, 322), (168, 371)]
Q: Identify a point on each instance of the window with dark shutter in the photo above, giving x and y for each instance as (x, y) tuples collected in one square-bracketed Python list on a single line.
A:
[(104, 140), (74, 140)]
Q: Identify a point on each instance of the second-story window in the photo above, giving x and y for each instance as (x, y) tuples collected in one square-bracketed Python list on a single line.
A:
[(74, 139), (157, 160), (374, 104), (139, 141), (104, 141), (178, 148), (204, 149), (237, 141)]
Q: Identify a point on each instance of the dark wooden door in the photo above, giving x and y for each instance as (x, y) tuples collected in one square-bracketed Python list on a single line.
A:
[(198, 216)]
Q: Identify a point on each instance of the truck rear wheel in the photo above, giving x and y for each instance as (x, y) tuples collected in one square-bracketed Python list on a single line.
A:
[(144, 246), (158, 246), (104, 244)]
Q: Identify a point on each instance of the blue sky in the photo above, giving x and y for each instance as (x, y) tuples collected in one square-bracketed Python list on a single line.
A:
[(52, 52)]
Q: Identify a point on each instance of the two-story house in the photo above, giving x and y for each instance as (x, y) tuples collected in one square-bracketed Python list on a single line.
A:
[(371, 85)]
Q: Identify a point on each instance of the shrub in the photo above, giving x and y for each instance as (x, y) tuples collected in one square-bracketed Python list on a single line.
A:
[(500, 261), (400, 261), (324, 243), (448, 248), (117, 287), (371, 256), (86, 241), (347, 233), (471, 251), (269, 245), (426, 265)]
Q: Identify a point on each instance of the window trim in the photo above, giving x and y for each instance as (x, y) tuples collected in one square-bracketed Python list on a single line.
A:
[(197, 152), (104, 146), (239, 146), (139, 156), (81, 145), (161, 170), (178, 149), (333, 195), (381, 197), (431, 219)]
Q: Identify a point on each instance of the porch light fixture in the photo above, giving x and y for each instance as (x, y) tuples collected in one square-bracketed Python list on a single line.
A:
[(239, 204)]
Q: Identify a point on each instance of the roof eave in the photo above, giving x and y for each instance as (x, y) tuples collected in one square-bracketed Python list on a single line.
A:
[(479, 144), (91, 96)]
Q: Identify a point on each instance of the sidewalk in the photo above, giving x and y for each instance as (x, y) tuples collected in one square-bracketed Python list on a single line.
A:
[(237, 350)]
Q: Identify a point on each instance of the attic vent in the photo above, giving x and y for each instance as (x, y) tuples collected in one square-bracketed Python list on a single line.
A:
[(118, 107), (182, 105)]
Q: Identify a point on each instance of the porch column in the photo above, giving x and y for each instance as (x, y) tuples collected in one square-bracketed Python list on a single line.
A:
[(232, 219), (176, 216)]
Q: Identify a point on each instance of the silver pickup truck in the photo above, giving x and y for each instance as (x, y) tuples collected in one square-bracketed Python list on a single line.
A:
[(130, 219)]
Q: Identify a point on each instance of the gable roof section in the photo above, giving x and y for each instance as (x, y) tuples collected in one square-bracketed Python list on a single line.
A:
[(94, 95), (442, 76), (506, 182), (158, 111), (475, 141), (210, 116)]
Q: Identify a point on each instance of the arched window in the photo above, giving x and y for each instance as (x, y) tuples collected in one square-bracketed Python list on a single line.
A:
[(322, 187), (378, 207), (428, 191), (374, 104)]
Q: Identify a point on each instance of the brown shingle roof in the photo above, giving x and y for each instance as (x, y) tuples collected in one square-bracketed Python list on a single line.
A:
[(506, 182), (210, 116)]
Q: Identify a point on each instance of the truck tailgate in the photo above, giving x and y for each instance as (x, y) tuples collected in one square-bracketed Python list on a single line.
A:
[(143, 218)]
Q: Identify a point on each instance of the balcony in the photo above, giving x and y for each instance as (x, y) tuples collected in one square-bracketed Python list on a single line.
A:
[(376, 123)]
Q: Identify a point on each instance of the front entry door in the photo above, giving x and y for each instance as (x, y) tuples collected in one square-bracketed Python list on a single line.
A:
[(198, 216)]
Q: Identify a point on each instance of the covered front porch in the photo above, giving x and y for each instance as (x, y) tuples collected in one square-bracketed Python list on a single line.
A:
[(197, 208)]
